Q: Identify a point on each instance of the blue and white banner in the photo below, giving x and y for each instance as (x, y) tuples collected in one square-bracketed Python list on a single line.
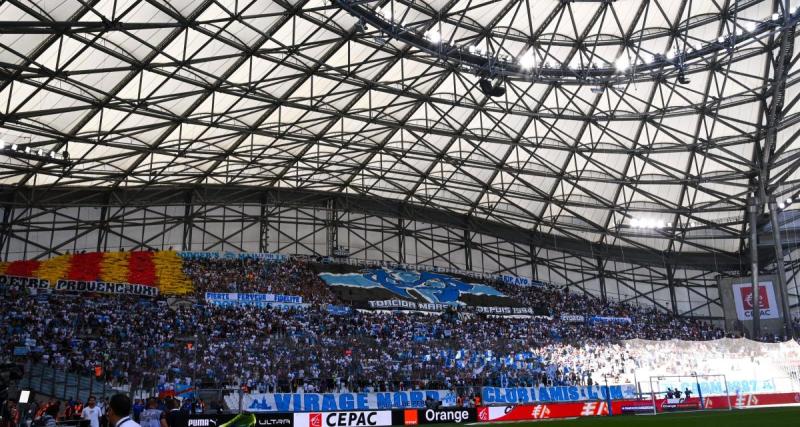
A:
[(497, 395), (609, 319), (256, 300), (510, 279), (339, 310), (422, 286), (313, 402), (573, 318), (233, 255)]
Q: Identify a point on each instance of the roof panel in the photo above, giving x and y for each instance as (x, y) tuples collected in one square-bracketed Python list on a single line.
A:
[(381, 117)]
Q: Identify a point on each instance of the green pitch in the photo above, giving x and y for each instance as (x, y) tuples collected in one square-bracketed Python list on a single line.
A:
[(736, 418)]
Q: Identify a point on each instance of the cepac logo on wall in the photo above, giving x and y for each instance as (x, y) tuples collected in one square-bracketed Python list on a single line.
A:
[(344, 419), (743, 298)]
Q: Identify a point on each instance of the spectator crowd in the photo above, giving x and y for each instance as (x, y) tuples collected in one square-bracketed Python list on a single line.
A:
[(147, 343)]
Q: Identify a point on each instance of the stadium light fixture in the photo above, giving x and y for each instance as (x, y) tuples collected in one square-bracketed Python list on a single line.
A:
[(781, 206), (775, 16), (649, 223), (788, 201), (528, 60), (622, 63), (433, 35)]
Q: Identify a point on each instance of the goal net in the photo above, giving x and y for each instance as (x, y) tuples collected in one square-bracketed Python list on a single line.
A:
[(679, 393)]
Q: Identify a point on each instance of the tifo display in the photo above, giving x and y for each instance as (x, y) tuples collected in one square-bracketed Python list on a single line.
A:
[(134, 273)]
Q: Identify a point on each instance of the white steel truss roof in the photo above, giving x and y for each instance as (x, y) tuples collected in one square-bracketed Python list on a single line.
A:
[(298, 95)]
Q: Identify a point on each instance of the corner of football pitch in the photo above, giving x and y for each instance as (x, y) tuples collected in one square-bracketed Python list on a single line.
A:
[(736, 418)]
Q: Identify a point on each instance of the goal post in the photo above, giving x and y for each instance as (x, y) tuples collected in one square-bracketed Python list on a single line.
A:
[(694, 392)]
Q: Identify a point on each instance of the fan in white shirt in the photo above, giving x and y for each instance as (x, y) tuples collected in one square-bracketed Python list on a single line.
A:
[(92, 412)]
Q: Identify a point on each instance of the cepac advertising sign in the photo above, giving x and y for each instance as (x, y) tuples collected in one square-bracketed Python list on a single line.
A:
[(344, 419), (743, 298)]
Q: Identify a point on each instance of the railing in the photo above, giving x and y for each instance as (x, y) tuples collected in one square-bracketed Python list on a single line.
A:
[(60, 384)]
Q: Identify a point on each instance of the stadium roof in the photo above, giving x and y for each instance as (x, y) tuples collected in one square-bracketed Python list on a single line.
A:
[(629, 123)]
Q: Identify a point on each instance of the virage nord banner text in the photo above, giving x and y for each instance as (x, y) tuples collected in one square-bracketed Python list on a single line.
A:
[(297, 402), (494, 395)]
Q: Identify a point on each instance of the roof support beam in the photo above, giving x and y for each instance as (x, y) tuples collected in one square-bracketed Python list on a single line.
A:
[(53, 198)]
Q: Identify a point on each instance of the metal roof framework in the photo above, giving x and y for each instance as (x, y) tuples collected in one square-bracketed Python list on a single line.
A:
[(301, 97)]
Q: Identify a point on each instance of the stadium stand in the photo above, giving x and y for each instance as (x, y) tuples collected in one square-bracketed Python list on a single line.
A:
[(138, 341)]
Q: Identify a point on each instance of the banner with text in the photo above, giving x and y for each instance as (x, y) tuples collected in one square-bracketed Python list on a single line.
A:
[(233, 255), (497, 395), (609, 319), (82, 286), (573, 318), (419, 286), (295, 402), (253, 300), (394, 304)]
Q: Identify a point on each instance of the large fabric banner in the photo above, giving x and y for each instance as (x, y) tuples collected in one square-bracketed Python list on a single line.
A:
[(424, 286), (496, 395), (106, 272), (233, 255), (510, 279), (609, 319), (296, 402), (80, 286), (255, 300), (397, 304)]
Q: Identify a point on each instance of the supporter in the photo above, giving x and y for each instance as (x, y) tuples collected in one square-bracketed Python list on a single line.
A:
[(274, 350), (50, 416), (151, 416), (9, 414), (174, 416), (92, 412), (138, 408), (119, 411)]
